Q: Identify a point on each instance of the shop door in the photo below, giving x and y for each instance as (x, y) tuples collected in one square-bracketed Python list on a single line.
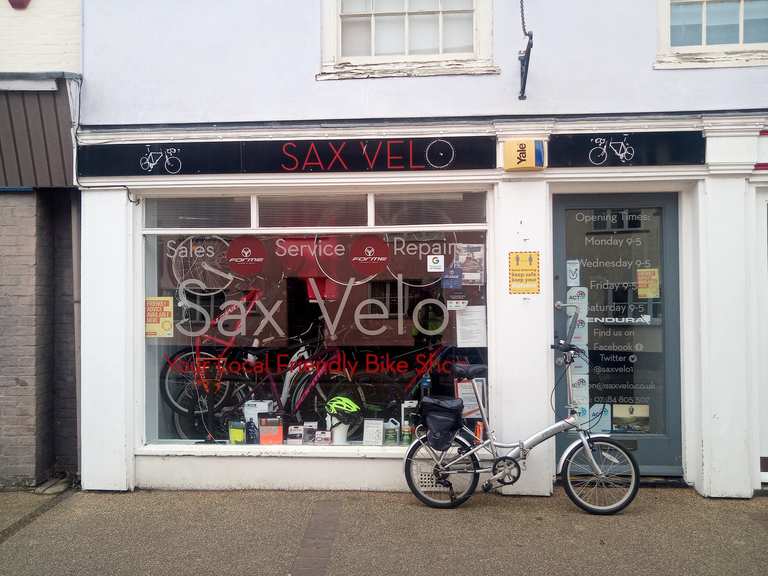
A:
[(617, 258)]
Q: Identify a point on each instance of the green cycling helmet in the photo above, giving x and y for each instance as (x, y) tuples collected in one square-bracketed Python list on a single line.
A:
[(344, 410), (341, 405)]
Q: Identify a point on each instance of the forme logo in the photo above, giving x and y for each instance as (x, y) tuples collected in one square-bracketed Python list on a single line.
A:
[(370, 255), (246, 255)]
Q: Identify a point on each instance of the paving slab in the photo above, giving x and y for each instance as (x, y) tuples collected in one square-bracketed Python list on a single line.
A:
[(16, 504), (665, 531)]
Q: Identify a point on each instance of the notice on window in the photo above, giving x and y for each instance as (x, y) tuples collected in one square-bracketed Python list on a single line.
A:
[(470, 258), (470, 327), (524, 274), (647, 283), (158, 317), (466, 392), (573, 272)]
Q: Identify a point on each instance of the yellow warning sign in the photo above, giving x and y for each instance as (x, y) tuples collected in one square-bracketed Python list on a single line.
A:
[(158, 317), (524, 274)]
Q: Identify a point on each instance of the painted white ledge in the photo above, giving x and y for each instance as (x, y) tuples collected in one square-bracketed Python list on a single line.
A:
[(273, 451)]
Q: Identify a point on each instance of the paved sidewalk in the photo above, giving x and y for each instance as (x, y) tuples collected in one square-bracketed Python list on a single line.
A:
[(665, 531), (16, 504)]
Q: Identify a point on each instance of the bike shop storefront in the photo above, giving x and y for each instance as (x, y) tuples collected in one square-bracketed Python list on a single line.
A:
[(303, 270), (283, 337)]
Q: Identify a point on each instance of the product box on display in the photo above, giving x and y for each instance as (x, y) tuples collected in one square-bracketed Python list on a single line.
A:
[(253, 409), (373, 432), (407, 409), (295, 435), (270, 429), (323, 437), (309, 431)]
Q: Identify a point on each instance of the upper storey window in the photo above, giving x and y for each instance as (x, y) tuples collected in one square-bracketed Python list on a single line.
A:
[(713, 33), (373, 38)]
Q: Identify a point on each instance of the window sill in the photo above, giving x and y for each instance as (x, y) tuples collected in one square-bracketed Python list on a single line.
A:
[(187, 448), (352, 71), (719, 59)]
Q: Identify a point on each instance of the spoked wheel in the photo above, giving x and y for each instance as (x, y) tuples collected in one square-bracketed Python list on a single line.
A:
[(434, 482), (605, 493), (193, 425), (178, 387)]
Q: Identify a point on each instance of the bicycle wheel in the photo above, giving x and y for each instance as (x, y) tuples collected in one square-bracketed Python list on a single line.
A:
[(188, 260), (605, 493), (178, 387), (193, 426), (435, 484)]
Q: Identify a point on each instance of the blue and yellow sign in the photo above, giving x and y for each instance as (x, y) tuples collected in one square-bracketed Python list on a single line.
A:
[(525, 155)]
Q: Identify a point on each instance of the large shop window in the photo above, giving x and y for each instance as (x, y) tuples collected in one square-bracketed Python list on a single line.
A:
[(323, 337)]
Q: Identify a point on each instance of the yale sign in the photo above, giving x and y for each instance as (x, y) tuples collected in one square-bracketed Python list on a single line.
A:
[(525, 155)]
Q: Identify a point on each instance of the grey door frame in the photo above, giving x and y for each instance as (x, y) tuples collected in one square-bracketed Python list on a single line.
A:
[(657, 454)]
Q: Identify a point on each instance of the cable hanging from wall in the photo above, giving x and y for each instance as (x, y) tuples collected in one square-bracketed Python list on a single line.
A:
[(525, 54)]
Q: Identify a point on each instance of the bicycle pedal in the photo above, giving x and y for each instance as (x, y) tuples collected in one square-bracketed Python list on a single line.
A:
[(487, 487)]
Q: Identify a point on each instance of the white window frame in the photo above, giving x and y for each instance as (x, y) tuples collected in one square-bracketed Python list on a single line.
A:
[(146, 446), (704, 56), (336, 67)]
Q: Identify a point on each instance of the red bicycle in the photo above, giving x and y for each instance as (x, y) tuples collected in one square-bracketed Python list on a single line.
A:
[(217, 370)]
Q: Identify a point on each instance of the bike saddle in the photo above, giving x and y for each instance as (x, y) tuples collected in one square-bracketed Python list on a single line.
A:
[(470, 370)]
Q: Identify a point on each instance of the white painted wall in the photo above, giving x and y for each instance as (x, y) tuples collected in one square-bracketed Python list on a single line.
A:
[(761, 285), (45, 37), (107, 386), (189, 61), (523, 329)]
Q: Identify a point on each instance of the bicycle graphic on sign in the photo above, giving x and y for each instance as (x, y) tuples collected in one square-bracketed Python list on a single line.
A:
[(172, 162), (599, 154)]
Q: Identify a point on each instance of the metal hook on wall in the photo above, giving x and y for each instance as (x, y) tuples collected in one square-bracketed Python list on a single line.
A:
[(525, 54)]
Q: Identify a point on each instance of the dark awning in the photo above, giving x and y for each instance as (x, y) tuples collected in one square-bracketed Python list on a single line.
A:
[(35, 137)]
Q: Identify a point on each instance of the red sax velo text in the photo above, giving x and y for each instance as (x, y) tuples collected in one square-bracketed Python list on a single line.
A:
[(325, 156)]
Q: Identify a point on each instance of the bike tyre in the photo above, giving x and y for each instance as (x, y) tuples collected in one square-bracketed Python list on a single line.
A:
[(572, 492), (171, 396), (414, 448)]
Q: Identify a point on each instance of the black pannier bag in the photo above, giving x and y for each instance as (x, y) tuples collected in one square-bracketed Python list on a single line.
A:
[(442, 417)]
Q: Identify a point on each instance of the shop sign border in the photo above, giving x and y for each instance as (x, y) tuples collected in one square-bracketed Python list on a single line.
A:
[(297, 156), (617, 149)]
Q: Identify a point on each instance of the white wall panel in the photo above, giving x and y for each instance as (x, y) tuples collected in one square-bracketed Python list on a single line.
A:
[(189, 61), (107, 355)]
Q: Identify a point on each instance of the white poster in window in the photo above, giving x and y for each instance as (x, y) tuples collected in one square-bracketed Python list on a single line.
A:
[(599, 418), (573, 273), (581, 397), (470, 327), (466, 392), (578, 295), (471, 259)]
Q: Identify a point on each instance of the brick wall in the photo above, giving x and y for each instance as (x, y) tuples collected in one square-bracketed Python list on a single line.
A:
[(35, 431)]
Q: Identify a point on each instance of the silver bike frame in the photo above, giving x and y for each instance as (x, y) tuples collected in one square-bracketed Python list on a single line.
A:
[(519, 450)]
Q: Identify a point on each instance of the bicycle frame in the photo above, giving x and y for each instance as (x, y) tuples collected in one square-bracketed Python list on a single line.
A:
[(519, 450)]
